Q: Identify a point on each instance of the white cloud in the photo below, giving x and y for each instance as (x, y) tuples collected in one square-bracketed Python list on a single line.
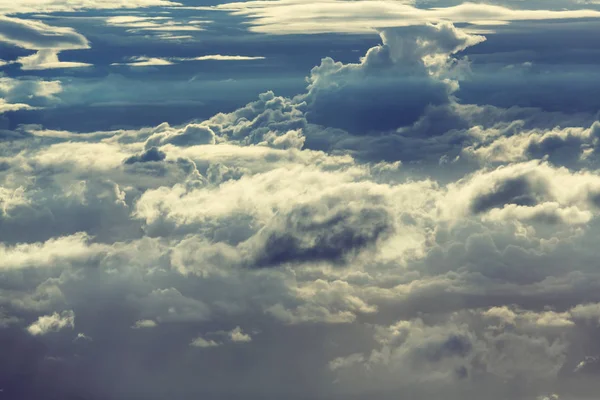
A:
[(238, 336), (27, 94), (219, 57), (52, 323), (146, 62), (83, 337), (144, 324), (7, 107), (526, 191), (47, 59), (36, 35), (68, 249), (153, 24), (203, 343), (238, 221), (282, 17), (46, 6), (143, 61), (47, 40)]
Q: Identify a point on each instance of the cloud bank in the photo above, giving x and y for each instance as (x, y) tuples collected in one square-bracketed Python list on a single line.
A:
[(370, 237)]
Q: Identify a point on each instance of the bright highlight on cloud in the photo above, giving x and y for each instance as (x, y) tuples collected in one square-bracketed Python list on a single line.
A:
[(156, 62)]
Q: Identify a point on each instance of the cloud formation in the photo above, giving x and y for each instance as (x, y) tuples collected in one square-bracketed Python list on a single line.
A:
[(371, 237), (339, 16), (52, 323), (48, 41)]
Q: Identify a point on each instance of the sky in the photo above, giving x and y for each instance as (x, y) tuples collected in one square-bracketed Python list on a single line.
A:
[(299, 199)]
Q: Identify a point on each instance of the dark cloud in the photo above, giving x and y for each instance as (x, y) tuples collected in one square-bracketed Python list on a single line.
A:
[(35, 35), (393, 84), (516, 191), (153, 154), (317, 233)]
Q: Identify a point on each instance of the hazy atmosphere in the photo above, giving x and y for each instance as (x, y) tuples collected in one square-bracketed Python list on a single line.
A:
[(299, 199)]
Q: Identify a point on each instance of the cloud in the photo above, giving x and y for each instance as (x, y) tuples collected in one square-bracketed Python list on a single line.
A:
[(152, 24), (143, 61), (7, 107), (144, 324), (36, 35), (28, 93), (568, 146), (67, 249), (220, 57), (238, 336), (169, 305), (48, 6), (203, 343), (284, 17), (531, 191), (464, 267), (150, 155), (452, 353), (411, 70), (321, 232), (47, 59), (48, 41), (52, 323)]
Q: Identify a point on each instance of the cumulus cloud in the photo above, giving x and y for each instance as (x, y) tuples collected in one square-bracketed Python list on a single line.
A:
[(64, 249), (52, 323), (533, 190), (144, 324), (394, 83), (203, 343), (238, 336)]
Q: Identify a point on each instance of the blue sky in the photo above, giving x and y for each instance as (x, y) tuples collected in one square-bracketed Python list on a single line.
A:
[(366, 199)]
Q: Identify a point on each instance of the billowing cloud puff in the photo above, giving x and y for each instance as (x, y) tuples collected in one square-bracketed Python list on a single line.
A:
[(52, 323), (394, 83)]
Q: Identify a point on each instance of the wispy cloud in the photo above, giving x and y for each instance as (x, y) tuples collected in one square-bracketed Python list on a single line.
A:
[(143, 61)]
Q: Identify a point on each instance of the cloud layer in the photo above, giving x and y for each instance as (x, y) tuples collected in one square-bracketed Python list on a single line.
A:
[(370, 237), (340, 16)]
